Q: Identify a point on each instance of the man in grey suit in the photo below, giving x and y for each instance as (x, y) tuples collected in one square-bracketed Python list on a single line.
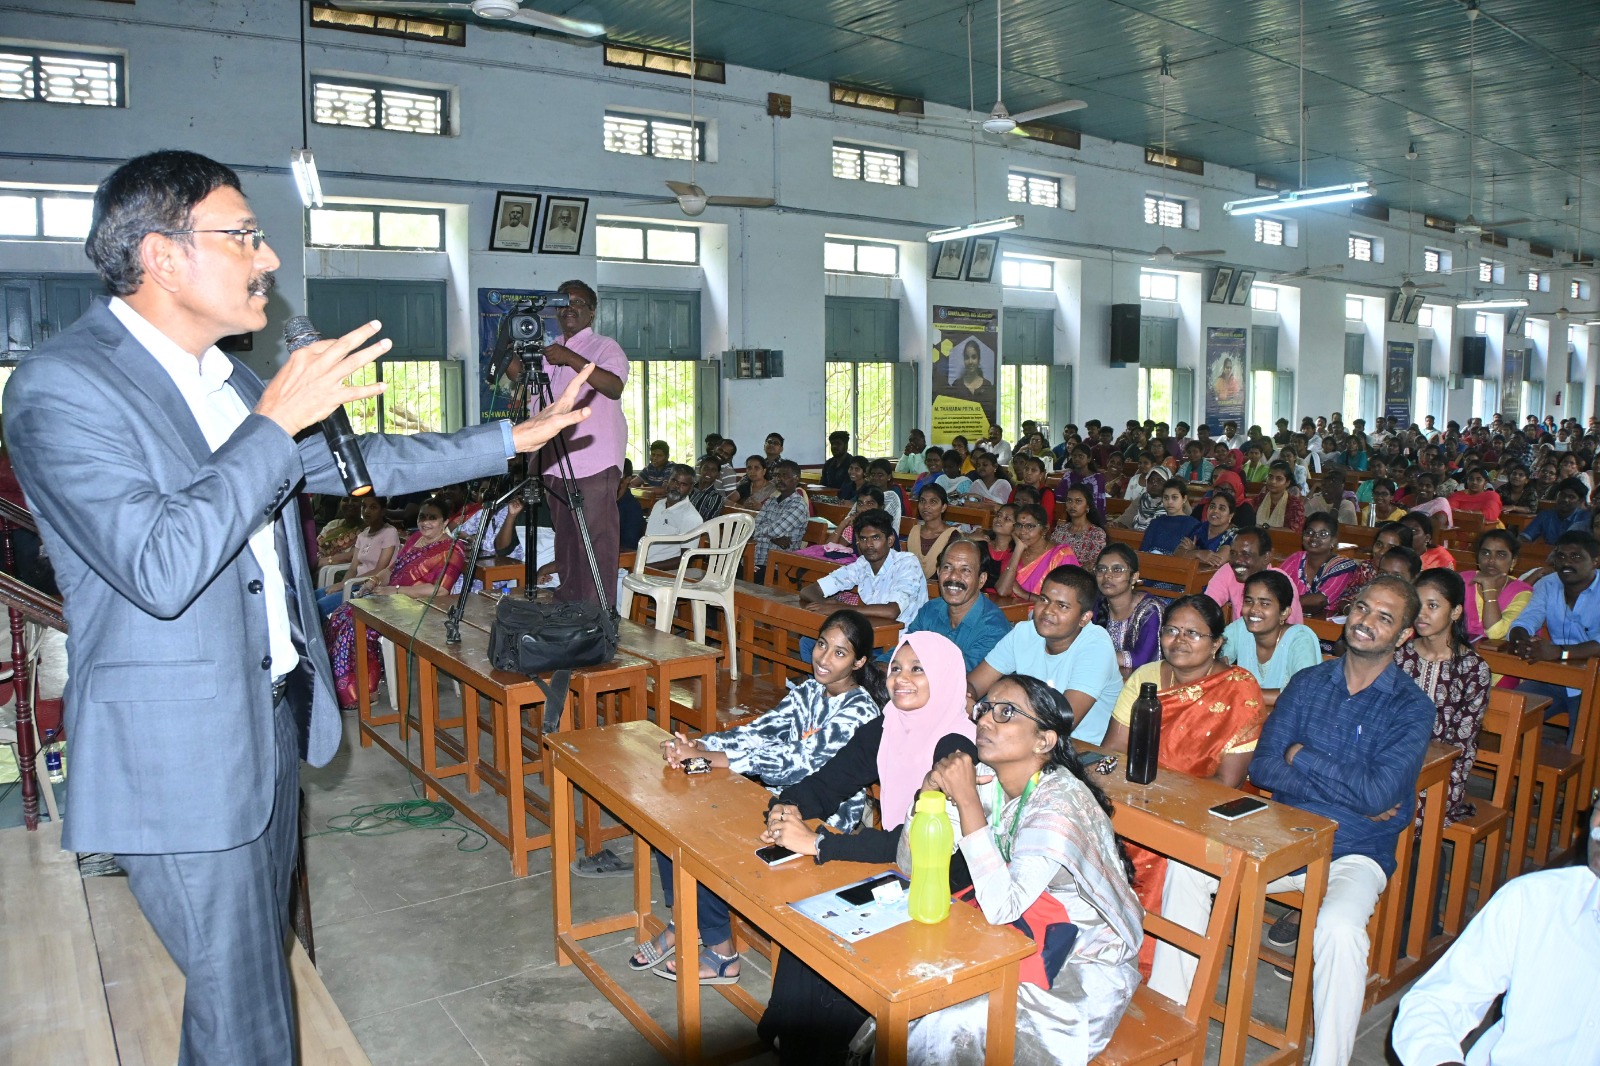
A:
[(159, 470)]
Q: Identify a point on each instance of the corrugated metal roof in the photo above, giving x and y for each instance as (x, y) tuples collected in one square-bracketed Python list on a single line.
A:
[(1381, 75)]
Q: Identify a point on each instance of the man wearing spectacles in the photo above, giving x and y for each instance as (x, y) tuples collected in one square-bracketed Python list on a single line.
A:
[(1062, 646), (163, 475)]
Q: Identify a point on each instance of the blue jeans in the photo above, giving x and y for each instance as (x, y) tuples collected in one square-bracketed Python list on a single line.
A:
[(328, 601), (1561, 702), (715, 927)]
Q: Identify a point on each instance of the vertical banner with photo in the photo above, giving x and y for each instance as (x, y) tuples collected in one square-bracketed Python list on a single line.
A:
[(1399, 376), (966, 344), (494, 398), (1224, 377), (1514, 369)]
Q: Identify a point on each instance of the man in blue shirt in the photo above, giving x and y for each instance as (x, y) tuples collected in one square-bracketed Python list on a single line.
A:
[(1568, 514), (1062, 647), (962, 612), (1566, 604)]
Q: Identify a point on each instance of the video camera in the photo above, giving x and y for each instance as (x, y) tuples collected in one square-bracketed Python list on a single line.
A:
[(521, 332)]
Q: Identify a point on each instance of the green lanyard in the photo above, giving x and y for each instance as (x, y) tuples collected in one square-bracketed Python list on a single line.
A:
[(1004, 841)]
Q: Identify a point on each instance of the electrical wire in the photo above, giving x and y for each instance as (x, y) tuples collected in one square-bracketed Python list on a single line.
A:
[(387, 819)]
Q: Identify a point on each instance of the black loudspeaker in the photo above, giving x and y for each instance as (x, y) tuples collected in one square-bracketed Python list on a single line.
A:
[(1125, 333), (1474, 351)]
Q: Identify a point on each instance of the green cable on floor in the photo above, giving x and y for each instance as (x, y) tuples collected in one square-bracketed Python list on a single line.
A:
[(383, 819)]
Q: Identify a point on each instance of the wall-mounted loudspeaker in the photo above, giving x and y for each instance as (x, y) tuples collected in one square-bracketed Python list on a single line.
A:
[(1474, 354), (1125, 333)]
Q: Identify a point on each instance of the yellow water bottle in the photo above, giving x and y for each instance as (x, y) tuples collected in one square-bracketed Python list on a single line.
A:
[(932, 839)]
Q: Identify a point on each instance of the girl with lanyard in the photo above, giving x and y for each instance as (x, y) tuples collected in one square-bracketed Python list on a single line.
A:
[(1036, 837)]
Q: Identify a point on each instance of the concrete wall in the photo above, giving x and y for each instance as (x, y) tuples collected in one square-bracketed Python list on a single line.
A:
[(221, 77)]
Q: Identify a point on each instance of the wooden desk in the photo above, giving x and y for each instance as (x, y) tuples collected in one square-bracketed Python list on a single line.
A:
[(769, 617), (492, 568), (791, 571), (1170, 815), (898, 975)]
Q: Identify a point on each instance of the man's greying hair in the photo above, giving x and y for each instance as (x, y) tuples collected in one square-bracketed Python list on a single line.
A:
[(150, 194), (576, 286)]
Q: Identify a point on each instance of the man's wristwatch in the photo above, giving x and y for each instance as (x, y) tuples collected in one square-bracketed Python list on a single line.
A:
[(1566, 654)]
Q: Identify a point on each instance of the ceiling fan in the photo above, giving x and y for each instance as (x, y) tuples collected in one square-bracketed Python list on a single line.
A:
[(1165, 255), (1330, 270), (506, 11), (691, 199), (1000, 120), (1471, 227)]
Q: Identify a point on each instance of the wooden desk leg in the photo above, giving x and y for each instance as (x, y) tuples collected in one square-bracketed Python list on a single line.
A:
[(1246, 956), (1430, 855), (1298, 1020), (686, 922), (469, 731), (745, 645), (561, 848), (428, 723), (400, 685), (363, 694), (1526, 769), (643, 861), (894, 1032), (1001, 1037), (508, 723)]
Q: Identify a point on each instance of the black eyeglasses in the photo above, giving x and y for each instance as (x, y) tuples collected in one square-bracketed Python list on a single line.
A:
[(1002, 712), (257, 236)]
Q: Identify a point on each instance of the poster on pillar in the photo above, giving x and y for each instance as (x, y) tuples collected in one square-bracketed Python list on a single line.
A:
[(966, 345), (495, 398), (1513, 369), (1399, 364), (1224, 377)]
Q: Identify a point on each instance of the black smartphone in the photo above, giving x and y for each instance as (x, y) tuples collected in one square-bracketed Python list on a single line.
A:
[(774, 854), (861, 895), (1238, 808)]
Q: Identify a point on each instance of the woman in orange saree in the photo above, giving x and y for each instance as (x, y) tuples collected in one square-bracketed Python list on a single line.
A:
[(1211, 715)]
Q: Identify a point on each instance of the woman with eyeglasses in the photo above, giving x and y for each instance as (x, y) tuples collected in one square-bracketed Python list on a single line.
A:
[(1211, 717), (1035, 832), (1321, 576), (1131, 616), (1034, 556), (1261, 639), (1079, 525)]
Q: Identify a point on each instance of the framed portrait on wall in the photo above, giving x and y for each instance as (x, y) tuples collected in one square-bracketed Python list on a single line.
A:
[(563, 225), (1397, 307), (1242, 283), (949, 257), (984, 251), (1218, 293), (515, 215), (1413, 308)]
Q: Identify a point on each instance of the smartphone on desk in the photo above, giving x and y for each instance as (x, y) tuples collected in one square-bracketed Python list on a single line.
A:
[(1238, 808), (861, 895), (776, 854)]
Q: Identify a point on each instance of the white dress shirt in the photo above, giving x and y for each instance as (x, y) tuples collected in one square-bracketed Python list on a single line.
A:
[(999, 449), (670, 520), (899, 581), (219, 411), (1537, 941)]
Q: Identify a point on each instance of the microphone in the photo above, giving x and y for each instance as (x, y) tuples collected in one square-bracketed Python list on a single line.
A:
[(297, 333)]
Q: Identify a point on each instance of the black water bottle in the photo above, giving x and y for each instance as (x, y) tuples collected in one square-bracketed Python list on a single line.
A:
[(1144, 736)]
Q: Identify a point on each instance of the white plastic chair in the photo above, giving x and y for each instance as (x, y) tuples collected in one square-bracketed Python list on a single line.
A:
[(330, 575), (720, 557)]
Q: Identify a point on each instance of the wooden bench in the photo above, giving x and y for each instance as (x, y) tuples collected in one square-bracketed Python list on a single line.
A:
[(1187, 574)]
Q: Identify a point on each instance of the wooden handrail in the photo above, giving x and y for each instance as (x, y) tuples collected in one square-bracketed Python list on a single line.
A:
[(23, 601), (17, 515)]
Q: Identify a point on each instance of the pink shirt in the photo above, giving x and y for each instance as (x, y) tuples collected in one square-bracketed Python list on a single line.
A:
[(1226, 590), (370, 546), (596, 444)]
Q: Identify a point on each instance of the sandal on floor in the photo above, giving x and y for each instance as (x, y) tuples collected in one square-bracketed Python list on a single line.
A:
[(653, 952), (719, 963)]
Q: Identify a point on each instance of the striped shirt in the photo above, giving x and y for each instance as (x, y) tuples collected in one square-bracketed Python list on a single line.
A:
[(780, 517)]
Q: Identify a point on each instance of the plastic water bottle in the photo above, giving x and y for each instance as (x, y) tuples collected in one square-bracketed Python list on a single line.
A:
[(1144, 735), (55, 766), (932, 839)]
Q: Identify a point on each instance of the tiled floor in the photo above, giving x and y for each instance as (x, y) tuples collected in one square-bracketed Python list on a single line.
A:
[(439, 957)]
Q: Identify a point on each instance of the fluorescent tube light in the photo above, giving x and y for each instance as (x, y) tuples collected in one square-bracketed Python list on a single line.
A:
[(306, 179), (1297, 198), (1492, 305), (994, 225)]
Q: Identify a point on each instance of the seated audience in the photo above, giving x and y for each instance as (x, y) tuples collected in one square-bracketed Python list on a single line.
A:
[(1381, 506), (1567, 514), (855, 477), (889, 583), (1331, 498), (994, 444), (1478, 496), (1129, 615), (673, 515), (630, 516), (1168, 530), (782, 520), (373, 549), (658, 471), (836, 468), (1001, 538), (987, 489), (340, 534), (1039, 848), (1031, 472), (929, 536), (1518, 497), (1320, 575), (1195, 468), (808, 727), (962, 613), (840, 545), (933, 466), (1566, 607), (1078, 471), (1061, 646), (1422, 541), (1278, 506), (1251, 553), (1147, 505), (880, 475), (757, 486), (1440, 659), (911, 457), (1212, 540), (1079, 525), (707, 495), (958, 444), (1531, 950), (1211, 714), (955, 483), (1495, 599), (1264, 641), (1425, 500), (1034, 556)]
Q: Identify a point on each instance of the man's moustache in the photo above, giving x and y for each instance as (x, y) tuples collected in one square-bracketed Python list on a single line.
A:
[(263, 283)]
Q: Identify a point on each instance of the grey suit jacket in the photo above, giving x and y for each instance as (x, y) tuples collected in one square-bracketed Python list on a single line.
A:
[(169, 703)]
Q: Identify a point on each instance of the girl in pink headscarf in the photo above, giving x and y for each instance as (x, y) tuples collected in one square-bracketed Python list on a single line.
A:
[(927, 701)]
